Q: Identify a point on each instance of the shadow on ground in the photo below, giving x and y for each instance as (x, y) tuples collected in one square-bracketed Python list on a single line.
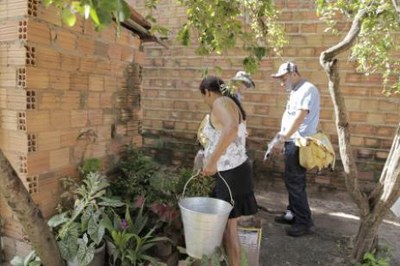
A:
[(336, 221)]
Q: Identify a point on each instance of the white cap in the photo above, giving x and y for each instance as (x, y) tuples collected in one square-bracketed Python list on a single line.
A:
[(245, 78), (287, 67)]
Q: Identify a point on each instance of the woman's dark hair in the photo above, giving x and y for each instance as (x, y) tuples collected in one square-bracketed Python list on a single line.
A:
[(215, 84)]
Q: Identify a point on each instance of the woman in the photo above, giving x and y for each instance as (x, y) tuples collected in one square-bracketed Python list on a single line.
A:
[(225, 155)]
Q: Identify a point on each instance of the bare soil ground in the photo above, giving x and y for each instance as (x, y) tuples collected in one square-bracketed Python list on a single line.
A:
[(336, 221)]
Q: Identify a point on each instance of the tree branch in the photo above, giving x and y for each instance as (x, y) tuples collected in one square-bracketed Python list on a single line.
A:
[(388, 189), (347, 41)]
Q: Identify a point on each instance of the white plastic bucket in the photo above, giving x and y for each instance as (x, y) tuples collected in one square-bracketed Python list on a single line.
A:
[(204, 221)]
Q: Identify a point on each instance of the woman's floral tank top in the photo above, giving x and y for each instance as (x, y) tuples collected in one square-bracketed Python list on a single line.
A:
[(234, 155)]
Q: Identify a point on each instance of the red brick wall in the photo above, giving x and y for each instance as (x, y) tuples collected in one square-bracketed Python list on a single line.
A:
[(173, 108), (56, 83)]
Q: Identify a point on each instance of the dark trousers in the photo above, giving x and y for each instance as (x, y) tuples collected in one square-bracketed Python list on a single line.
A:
[(295, 181)]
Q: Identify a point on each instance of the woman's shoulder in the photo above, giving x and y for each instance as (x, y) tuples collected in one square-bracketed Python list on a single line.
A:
[(225, 102)]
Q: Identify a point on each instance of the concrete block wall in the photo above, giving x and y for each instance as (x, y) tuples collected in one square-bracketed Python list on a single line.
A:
[(57, 83), (173, 107)]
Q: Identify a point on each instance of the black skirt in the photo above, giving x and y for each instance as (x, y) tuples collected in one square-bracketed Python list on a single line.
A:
[(240, 182)]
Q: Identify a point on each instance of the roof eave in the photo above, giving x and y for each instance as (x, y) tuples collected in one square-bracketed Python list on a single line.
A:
[(137, 24)]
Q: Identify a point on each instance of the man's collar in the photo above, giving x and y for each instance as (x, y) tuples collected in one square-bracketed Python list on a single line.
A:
[(298, 85)]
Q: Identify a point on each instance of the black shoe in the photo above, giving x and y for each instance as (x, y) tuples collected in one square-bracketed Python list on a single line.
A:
[(282, 219), (299, 230)]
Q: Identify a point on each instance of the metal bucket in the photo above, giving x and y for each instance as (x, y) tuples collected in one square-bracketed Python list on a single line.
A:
[(204, 221)]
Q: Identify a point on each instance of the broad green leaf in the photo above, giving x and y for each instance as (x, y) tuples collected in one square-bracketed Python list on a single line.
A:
[(95, 230), (111, 202), (99, 193), (31, 256), (77, 6), (124, 11), (68, 248), (68, 17), (58, 219), (17, 261), (94, 17), (107, 223), (85, 253), (110, 5)]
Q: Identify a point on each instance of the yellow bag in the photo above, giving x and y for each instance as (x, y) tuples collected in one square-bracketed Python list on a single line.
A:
[(316, 151)]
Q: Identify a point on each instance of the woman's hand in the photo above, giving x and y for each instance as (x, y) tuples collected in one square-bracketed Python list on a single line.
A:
[(210, 169)]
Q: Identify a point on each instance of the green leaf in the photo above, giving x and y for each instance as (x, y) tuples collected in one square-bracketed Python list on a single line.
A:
[(150, 18), (68, 17), (250, 64), (68, 248), (47, 2), (58, 219), (111, 202), (108, 5), (113, 252), (77, 6), (99, 193), (259, 52), (107, 223), (152, 260), (85, 253), (95, 230), (369, 256), (184, 35), (17, 261), (94, 17), (31, 256), (124, 11), (140, 222)]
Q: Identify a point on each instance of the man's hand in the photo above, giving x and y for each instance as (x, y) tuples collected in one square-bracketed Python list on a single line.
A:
[(274, 147), (278, 149)]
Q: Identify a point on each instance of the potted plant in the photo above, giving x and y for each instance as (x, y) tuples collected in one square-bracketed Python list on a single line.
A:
[(129, 242), (80, 231)]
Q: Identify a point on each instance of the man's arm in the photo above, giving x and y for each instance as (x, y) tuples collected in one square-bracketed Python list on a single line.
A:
[(299, 119)]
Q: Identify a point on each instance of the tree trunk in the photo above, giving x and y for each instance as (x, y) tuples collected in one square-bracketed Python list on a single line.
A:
[(346, 152), (366, 239), (373, 207), (29, 215)]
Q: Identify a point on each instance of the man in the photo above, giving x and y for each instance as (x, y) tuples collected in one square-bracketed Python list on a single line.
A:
[(299, 119), (242, 80)]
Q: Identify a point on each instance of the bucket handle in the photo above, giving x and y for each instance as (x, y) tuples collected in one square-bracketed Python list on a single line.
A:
[(223, 179)]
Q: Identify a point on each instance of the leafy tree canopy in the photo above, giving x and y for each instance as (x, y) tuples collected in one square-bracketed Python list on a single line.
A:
[(216, 25), (101, 12), (377, 44), (219, 25)]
